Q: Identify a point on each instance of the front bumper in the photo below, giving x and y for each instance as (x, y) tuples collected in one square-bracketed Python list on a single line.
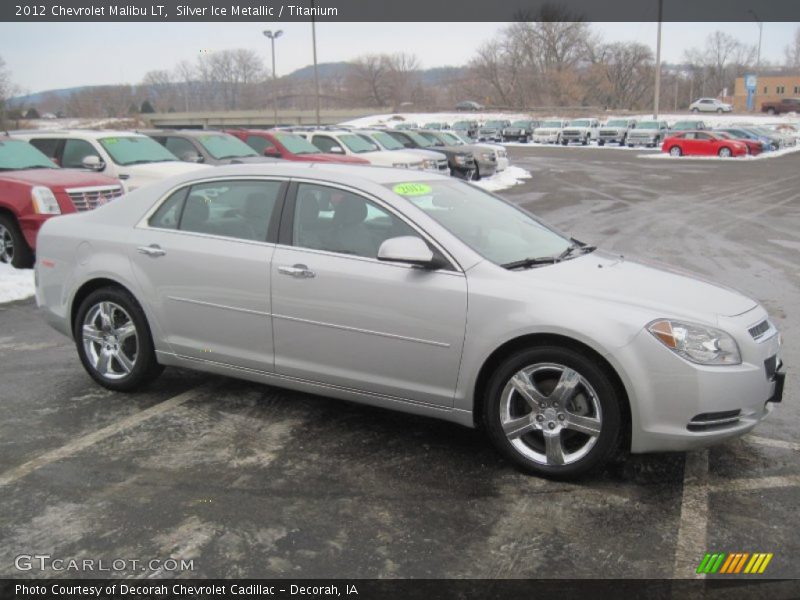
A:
[(678, 405), (546, 138), (637, 141), (516, 136)]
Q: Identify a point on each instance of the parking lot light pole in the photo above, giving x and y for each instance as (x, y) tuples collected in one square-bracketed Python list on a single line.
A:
[(273, 35), (658, 61), (316, 71), (758, 55)]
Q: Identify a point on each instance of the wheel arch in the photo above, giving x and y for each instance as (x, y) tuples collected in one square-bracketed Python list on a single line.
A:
[(92, 285), (501, 353)]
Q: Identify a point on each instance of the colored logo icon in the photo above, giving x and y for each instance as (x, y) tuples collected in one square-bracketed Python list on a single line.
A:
[(734, 563)]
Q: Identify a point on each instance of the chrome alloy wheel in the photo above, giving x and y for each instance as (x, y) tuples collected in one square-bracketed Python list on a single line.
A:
[(6, 245), (110, 340), (550, 414)]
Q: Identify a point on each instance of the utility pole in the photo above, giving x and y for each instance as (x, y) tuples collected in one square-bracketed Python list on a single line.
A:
[(658, 61), (316, 72), (274, 35), (758, 57)]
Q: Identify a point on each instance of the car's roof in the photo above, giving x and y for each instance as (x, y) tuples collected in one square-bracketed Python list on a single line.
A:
[(332, 172), (86, 133), (185, 132)]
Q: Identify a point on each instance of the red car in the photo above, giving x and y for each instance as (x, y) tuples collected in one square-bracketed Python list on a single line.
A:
[(281, 144), (754, 147), (703, 143), (33, 189)]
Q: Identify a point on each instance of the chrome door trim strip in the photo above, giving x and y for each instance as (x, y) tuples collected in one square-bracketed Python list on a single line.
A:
[(224, 306), (366, 331)]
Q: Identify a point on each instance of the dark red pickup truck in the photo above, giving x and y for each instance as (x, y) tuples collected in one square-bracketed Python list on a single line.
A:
[(786, 105), (33, 189)]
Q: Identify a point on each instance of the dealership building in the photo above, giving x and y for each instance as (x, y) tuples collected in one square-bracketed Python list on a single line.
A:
[(769, 88)]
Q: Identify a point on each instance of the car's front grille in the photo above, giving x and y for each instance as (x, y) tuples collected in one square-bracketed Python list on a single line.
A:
[(442, 165), (89, 198), (608, 133), (756, 331), (571, 132), (713, 420)]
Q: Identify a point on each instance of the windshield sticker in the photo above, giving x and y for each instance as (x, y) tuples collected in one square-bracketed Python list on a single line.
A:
[(110, 140), (412, 189)]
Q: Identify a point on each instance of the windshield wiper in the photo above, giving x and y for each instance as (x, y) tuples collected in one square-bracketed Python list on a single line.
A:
[(527, 263)]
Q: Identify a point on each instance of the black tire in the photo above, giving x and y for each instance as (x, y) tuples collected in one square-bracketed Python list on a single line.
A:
[(601, 142), (476, 174), (585, 141), (719, 111), (770, 111), (695, 110), (564, 142), (675, 151), (606, 395), (145, 366), (20, 256), (725, 152)]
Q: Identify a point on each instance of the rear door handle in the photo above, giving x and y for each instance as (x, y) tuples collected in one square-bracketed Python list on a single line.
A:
[(298, 271), (152, 250)]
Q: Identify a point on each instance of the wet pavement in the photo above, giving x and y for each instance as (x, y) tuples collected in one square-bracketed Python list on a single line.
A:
[(247, 480)]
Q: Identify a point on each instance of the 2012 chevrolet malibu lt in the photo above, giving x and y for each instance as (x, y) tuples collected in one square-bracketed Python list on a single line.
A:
[(410, 291)]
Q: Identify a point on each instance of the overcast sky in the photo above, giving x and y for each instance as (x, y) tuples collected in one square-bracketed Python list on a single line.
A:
[(44, 56)]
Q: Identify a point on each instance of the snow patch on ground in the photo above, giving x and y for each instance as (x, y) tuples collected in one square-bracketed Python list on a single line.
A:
[(762, 156), (83, 123), (504, 179), (15, 284)]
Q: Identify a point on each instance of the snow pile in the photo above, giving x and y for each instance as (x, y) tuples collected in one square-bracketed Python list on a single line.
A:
[(762, 156), (504, 179), (15, 284), (82, 123)]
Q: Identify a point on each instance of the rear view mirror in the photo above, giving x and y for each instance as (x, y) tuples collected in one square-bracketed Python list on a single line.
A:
[(406, 249), (93, 163)]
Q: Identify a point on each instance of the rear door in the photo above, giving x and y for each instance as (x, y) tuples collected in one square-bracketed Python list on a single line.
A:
[(203, 260), (343, 318)]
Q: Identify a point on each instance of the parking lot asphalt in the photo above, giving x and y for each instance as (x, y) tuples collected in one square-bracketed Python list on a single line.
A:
[(247, 480)]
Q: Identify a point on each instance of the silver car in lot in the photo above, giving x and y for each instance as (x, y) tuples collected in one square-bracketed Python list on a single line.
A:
[(410, 291)]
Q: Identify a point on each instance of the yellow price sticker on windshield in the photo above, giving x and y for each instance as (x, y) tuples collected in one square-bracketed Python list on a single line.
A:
[(412, 189)]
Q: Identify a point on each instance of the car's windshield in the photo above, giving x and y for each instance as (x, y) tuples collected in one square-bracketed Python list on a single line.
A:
[(296, 144), (358, 144), (685, 125), (617, 123), (647, 125), (499, 231), (432, 138), (385, 140), (461, 125), (133, 150), (580, 123), (452, 139), (222, 146), (552, 124), (494, 124), (420, 140), (520, 124), (16, 155)]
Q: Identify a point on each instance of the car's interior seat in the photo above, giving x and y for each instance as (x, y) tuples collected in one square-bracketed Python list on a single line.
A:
[(349, 234)]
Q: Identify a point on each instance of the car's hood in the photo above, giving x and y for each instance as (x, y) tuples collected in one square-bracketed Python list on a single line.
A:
[(643, 132), (547, 130), (331, 158), (427, 154), (55, 178), (665, 290)]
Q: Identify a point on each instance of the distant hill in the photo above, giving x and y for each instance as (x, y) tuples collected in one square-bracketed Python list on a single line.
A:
[(38, 97)]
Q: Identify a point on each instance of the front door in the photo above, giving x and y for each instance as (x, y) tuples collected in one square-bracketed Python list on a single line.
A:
[(342, 317), (203, 260)]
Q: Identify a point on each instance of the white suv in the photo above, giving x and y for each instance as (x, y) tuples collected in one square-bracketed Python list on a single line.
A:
[(350, 143), (710, 105), (134, 159)]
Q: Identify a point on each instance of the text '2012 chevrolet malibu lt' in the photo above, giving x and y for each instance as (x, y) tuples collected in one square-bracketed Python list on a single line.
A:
[(410, 291)]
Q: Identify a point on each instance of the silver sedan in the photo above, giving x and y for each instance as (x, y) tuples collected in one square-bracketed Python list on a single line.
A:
[(410, 291)]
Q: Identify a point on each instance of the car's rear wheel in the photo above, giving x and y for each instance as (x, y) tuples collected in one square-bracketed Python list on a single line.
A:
[(719, 111), (724, 152), (114, 341), (695, 110), (770, 111), (675, 151), (553, 411), (14, 249)]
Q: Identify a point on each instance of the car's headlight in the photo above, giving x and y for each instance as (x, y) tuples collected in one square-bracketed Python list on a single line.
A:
[(461, 160), (487, 155), (696, 343), (44, 201), (430, 164)]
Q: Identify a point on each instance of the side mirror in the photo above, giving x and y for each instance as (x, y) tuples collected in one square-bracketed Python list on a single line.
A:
[(407, 249), (93, 163), (192, 157)]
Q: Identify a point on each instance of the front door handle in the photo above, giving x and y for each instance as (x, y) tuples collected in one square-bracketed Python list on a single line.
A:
[(299, 271), (152, 250)]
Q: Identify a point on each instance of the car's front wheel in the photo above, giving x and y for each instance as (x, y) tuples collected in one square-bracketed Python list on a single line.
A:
[(114, 342), (553, 411), (724, 152)]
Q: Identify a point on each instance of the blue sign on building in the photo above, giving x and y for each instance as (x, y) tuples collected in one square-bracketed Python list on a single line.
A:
[(750, 83)]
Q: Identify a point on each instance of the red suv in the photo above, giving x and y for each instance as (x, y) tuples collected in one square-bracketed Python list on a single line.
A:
[(33, 189), (281, 144)]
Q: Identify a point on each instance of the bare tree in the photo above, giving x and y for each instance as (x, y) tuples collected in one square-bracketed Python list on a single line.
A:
[(792, 51), (159, 88), (723, 59), (6, 89), (628, 69), (369, 78)]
